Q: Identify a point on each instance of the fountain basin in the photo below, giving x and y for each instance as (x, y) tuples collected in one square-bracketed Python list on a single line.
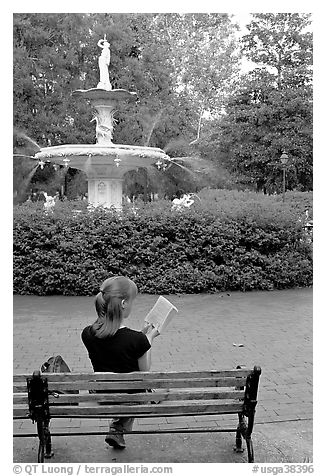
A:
[(93, 158), (98, 94), (104, 166)]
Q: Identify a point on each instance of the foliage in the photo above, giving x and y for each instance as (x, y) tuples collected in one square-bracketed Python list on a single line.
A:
[(48, 59), (230, 241), (261, 122), (270, 109), (281, 41), (203, 49)]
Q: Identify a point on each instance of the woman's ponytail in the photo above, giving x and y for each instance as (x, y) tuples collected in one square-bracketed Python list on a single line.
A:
[(114, 314), (108, 304)]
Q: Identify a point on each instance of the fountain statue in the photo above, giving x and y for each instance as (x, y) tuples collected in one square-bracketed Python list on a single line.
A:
[(104, 63), (104, 163)]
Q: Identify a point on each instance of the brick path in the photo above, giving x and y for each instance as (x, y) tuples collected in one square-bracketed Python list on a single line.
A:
[(275, 329)]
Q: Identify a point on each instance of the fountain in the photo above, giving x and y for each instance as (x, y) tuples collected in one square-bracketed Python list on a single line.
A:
[(104, 163)]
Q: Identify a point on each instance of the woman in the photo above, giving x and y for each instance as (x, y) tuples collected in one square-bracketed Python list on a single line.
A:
[(114, 347)]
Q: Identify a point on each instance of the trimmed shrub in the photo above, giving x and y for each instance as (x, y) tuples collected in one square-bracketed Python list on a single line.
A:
[(226, 241)]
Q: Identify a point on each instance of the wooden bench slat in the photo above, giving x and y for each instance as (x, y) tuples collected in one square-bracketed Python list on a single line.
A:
[(141, 385), (167, 395), (181, 408), (77, 376)]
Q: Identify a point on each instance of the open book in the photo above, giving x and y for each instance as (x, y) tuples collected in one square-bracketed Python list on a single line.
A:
[(160, 315)]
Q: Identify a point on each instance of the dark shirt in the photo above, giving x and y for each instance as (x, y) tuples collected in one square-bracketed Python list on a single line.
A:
[(118, 353)]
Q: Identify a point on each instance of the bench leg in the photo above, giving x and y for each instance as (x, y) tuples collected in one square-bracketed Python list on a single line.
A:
[(44, 435), (48, 444), (240, 432), (244, 431), (41, 445), (238, 442), (250, 450)]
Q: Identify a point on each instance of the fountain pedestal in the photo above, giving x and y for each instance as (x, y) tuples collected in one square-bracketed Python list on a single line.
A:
[(104, 181), (105, 192)]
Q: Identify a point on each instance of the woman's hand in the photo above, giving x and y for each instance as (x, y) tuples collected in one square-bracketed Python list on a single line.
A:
[(146, 327), (149, 328), (150, 332), (153, 332)]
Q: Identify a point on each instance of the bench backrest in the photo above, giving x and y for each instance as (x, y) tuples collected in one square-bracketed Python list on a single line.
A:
[(179, 393)]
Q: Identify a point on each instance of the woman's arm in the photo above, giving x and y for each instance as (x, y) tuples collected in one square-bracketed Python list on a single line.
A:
[(145, 361)]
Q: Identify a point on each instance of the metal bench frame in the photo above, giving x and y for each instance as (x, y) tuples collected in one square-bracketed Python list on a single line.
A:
[(42, 401)]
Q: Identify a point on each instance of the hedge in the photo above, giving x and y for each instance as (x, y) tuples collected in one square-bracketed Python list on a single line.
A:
[(225, 241)]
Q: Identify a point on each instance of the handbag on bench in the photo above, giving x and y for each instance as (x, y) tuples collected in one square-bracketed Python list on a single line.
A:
[(56, 364)]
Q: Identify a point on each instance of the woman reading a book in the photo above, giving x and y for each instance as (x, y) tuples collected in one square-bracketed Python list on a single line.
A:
[(113, 347)]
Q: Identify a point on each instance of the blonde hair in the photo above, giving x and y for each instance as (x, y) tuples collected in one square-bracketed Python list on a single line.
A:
[(108, 304)]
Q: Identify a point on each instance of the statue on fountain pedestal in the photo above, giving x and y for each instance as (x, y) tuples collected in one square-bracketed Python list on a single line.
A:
[(104, 63)]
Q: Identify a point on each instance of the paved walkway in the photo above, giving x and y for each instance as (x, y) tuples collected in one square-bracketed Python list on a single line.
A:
[(275, 329)]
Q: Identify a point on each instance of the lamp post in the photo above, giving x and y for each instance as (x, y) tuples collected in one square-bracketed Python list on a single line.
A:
[(284, 160)]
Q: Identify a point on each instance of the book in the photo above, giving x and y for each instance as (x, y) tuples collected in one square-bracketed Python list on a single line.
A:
[(161, 314)]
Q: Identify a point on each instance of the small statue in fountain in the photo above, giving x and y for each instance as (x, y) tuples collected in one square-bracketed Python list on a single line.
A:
[(49, 202), (104, 63), (103, 133), (185, 201)]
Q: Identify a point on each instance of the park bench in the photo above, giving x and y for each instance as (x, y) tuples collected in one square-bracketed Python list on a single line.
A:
[(42, 397)]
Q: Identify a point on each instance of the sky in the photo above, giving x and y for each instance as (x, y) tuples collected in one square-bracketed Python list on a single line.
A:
[(243, 19)]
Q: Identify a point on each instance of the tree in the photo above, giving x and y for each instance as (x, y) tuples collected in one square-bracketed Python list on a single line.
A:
[(48, 55), (203, 48), (271, 108), (279, 41)]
